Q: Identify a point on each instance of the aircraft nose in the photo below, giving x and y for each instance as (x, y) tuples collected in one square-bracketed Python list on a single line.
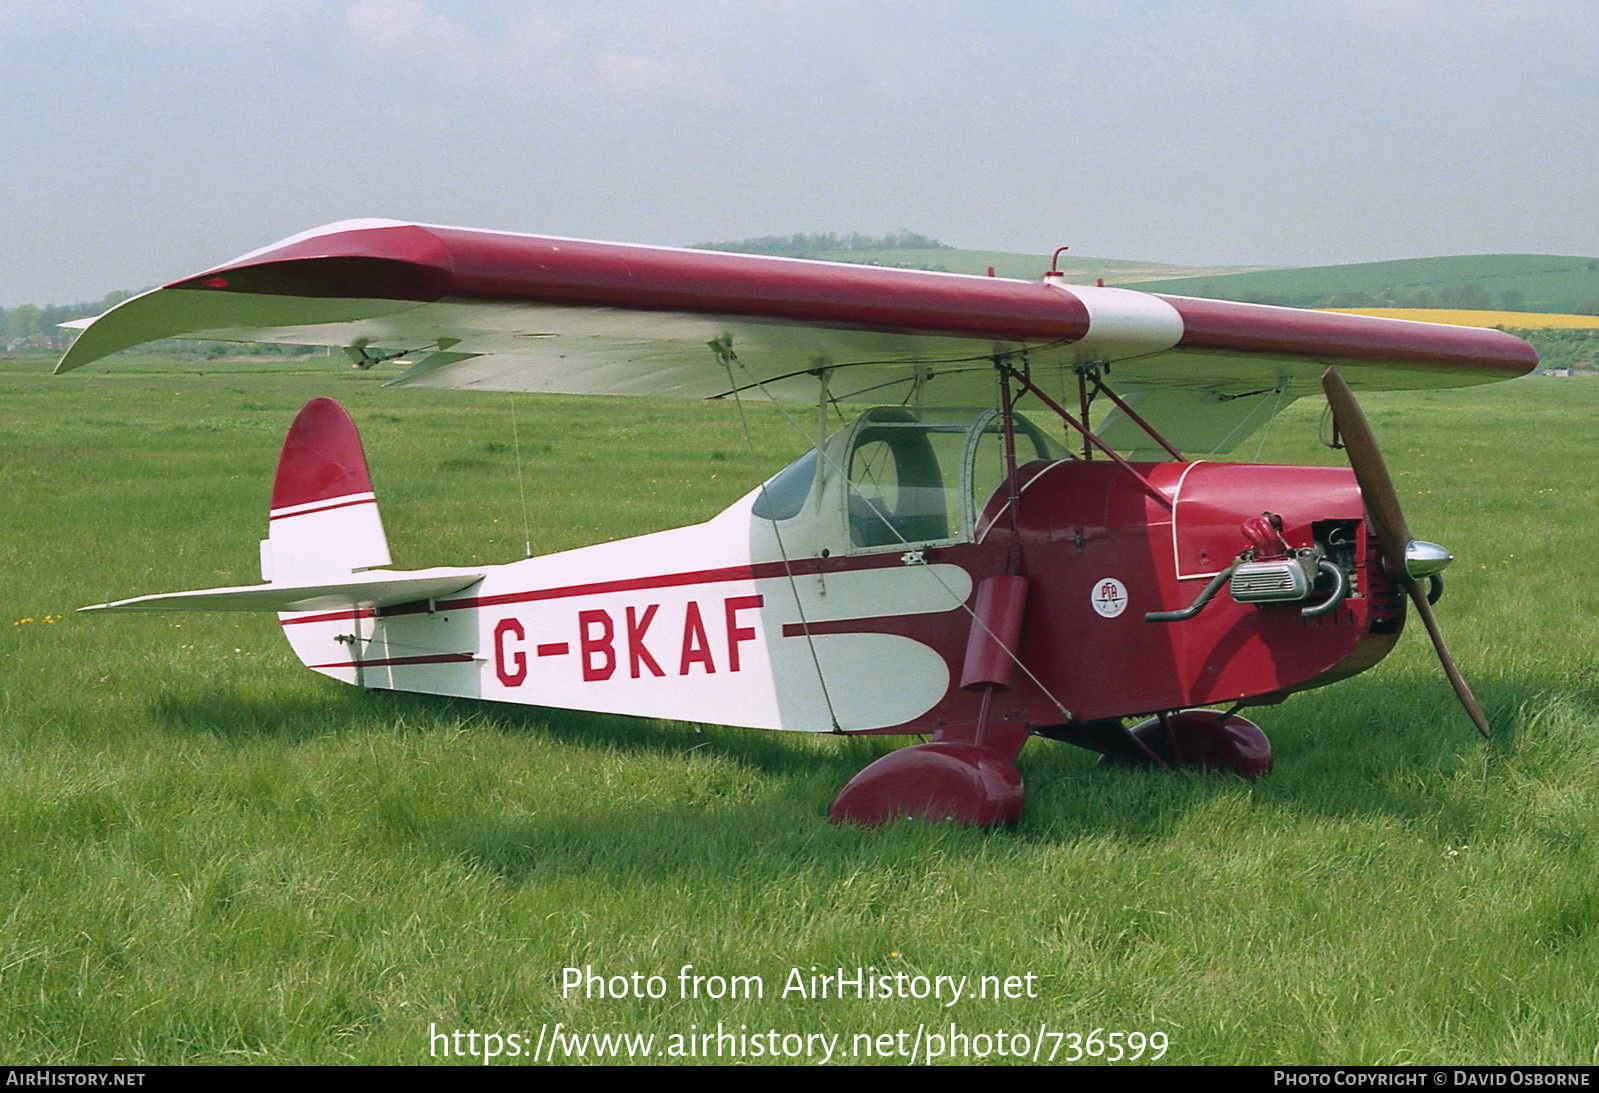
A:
[(1423, 559)]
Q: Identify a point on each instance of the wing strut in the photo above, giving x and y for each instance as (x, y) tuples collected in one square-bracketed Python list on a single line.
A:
[(1013, 500), (1100, 388), (1087, 434)]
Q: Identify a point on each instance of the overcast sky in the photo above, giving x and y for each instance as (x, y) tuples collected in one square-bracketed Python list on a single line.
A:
[(147, 139)]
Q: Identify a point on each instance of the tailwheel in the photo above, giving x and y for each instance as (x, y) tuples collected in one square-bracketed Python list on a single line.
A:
[(943, 780), (1210, 739)]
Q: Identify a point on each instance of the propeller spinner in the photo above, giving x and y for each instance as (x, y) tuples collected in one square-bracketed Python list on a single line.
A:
[(1408, 561)]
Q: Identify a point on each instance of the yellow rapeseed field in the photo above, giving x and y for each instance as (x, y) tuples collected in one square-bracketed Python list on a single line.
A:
[(1524, 320)]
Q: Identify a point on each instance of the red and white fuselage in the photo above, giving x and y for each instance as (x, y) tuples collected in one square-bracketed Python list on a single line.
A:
[(817, 620)]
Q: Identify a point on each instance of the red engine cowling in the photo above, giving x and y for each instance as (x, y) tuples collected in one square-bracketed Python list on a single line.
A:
[(1101, 551)]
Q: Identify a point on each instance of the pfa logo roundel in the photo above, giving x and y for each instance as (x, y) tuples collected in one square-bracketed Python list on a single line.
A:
[(1109, 597)]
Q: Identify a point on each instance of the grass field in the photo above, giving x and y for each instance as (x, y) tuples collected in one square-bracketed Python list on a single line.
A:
[(212, 855)]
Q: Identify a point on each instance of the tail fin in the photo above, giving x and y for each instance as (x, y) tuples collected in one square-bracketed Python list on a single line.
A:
[(323, 534), (324, 521)]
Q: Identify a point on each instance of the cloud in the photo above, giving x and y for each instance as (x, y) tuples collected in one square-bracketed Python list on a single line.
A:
[(576, 51), (235, 12), (214, 24), (633, 73), (408, 30)]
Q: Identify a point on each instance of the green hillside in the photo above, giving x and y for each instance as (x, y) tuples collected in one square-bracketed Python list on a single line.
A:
[(1513, 282), (912, 250), (1006, 264), (1509, 282)]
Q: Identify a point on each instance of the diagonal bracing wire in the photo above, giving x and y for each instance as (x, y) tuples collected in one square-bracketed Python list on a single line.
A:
[(724, 353)]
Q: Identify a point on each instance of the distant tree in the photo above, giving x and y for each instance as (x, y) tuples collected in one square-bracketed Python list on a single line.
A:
[(1562, 348), (25, 321), (804, 246), (1356, 299), (1475, 298)]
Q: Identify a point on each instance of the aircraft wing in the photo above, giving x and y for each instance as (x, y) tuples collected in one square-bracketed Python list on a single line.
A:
[(500, 311)]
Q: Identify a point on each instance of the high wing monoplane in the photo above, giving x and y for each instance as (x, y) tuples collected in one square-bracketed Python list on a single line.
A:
[(944, 565)]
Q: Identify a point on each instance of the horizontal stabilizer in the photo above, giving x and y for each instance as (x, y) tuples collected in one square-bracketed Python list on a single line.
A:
[(378, 588)]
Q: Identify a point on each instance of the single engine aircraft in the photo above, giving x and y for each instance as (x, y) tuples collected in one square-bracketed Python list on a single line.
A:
[(945, 565)]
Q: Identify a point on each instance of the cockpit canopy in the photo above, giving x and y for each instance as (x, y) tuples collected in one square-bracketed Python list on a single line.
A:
[(900, 477)]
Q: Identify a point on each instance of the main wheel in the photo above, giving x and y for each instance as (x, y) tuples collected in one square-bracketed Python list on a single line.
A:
[(963, 783), (1203, 738)]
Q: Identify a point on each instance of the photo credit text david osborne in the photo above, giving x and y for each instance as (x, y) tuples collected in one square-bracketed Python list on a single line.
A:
[(1425, 1077)]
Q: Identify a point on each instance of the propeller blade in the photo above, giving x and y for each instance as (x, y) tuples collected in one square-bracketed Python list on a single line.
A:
[(1388, 521), (1371, 472), (1418, 596)]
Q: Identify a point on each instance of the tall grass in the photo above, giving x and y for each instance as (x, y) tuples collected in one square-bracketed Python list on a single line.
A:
[(211, 855)]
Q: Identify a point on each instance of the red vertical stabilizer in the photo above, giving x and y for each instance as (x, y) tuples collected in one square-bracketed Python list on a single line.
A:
[(324, 520), (322, 458)]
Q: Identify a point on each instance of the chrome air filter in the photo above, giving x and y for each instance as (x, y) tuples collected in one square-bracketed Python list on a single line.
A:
[(1270, 582)]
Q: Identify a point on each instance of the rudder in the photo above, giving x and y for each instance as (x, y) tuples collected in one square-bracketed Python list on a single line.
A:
[(324, 518)]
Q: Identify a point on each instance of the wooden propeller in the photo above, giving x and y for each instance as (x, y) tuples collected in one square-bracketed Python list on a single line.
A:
[(1388, 521)]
